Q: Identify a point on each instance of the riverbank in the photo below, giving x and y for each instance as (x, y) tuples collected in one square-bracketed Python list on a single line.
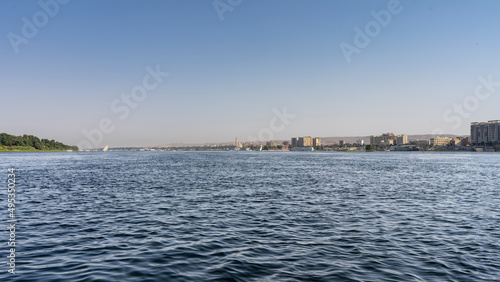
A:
[(14, 149)]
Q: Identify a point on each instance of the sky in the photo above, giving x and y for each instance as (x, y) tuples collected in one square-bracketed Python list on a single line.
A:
[(143, 73)]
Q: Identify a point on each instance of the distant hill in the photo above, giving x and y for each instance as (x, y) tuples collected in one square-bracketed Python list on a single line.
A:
[(31, 143)]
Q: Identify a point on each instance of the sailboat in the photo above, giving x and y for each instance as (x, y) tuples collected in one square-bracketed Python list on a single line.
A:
[(105, 148)]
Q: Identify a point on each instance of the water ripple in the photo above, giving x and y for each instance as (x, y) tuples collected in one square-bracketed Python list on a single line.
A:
[(227, 216)]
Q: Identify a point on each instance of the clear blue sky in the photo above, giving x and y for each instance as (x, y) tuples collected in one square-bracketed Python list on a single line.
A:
[(226, 77)]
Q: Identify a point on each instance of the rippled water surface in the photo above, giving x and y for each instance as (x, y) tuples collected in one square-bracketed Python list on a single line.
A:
[(234, 216)]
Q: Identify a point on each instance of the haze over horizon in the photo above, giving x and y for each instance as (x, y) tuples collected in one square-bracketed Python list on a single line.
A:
[(428, 69)]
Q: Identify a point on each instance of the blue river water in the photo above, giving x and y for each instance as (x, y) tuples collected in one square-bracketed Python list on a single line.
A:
[(253, 216)]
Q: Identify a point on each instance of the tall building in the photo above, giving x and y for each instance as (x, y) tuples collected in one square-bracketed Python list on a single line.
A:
[(389, 139), (307, 141), (402, 139), (316, 141), (485, 132)]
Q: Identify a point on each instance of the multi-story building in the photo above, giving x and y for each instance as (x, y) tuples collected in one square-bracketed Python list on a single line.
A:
[(449, 141), (402, 139), (389, 139), (485, 132), (360, 142), (306, 141), (441, 141), (316, 141)]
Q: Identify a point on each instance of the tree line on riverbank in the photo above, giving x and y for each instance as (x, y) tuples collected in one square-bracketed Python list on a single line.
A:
[(31, 143)]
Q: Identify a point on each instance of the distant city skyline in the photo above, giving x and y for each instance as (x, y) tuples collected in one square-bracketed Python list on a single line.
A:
[(161, 72)]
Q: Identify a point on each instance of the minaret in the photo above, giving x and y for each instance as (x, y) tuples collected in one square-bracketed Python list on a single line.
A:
[(236, 143)]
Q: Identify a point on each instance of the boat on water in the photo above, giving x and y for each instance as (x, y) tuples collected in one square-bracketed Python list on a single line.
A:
[(105, 148)]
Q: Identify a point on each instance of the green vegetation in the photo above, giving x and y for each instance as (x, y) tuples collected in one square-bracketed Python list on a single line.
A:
[(30, 143), (369, 148)]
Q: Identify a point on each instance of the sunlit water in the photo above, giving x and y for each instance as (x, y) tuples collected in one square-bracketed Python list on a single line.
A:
[(234, 216)]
